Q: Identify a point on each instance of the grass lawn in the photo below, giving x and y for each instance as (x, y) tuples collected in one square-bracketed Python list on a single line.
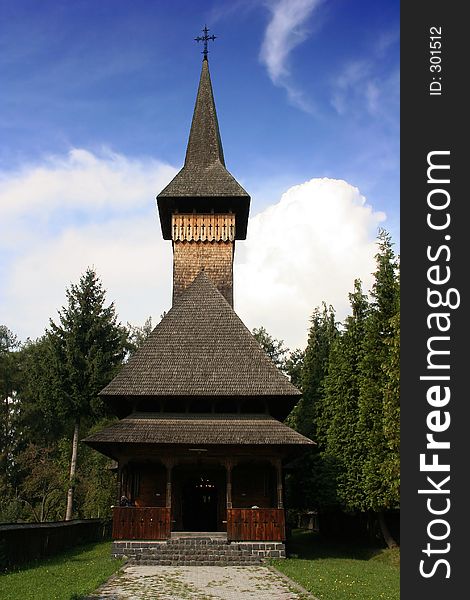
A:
[(67, 576), (341, 571)]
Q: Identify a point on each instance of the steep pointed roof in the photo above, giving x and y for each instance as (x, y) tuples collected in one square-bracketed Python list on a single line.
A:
[(204, 144), (201, 348), (204, 183)]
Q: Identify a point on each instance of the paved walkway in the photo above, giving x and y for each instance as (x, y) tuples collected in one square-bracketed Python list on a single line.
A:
[(198, 583)]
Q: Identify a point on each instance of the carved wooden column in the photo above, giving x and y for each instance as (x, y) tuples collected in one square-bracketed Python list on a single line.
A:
[(280, 492), (169, 464), (228, 469), (123, 469), (119, 484)]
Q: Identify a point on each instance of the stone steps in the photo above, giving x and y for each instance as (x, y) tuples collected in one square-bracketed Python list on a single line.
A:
[(197, 551)]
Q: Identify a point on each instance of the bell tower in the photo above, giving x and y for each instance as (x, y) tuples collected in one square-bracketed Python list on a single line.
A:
[(203, 210)]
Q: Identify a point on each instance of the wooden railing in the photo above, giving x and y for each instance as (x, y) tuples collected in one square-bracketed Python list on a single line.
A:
[(256, 524), (146, 523), (154, 523)]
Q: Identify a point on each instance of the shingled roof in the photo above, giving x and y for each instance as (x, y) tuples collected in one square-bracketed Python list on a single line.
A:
[(200, 430), (204, 183), (200, 348)]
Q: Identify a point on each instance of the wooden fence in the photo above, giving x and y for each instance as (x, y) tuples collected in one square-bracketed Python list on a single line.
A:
[(22, 542), (256, 524)]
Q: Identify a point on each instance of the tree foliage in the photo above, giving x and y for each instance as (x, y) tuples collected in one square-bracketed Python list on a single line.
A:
[(137, 334), (339, 428), (309, 410), (350, 405), (85, 349), (274, 348), (42, 380), (294, 365), (9, 377), (80, 355), (42, 484), (313, 482), (378, 386)]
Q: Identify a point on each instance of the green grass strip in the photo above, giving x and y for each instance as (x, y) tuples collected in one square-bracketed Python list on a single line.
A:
[(67, 576), (340, 571)]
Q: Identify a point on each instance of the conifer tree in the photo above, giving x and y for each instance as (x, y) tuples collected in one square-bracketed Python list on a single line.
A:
[(340, 424), (322, 333), (85, 349), (312, 484), (378, 389)]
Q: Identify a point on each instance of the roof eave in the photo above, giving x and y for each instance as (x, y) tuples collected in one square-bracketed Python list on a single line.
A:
[(219, 204)]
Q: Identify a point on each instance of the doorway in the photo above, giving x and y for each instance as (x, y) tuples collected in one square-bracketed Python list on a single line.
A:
[(200, 504)]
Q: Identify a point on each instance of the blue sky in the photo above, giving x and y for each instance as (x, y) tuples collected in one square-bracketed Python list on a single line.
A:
[(304, 89)]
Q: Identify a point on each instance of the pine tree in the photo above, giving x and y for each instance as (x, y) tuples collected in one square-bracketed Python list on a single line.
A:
[(379, 395), (340, 423), (84, 350), (313, 483), (322, 333)]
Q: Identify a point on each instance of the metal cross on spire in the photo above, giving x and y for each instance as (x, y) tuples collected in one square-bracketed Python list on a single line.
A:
[(204, 38)]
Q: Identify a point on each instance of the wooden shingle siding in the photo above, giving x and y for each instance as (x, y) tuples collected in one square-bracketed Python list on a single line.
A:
[(216, 258)]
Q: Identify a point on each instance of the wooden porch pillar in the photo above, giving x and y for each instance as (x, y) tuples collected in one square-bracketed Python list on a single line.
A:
[(280, 490), (123, 471), (119, 484), (169, 464), (228, 469)]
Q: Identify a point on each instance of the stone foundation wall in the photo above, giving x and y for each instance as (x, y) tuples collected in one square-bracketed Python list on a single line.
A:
[(264, 549)]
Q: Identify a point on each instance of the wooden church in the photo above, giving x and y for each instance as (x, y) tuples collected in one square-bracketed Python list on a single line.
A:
[(200, 444)]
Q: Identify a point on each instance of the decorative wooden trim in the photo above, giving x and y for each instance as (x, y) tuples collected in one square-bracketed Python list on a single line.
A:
[(146, 523), (203, 228), (256, 524)]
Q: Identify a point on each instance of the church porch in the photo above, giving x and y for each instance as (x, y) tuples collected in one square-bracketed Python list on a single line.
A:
[(204, 472), (240, 497)]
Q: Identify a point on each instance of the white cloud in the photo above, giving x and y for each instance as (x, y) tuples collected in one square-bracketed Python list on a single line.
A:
[(88, 210), (307, 248), (129, 255), (285, 31), (81, 180), (76, 211), (364, 82), (349, 82)]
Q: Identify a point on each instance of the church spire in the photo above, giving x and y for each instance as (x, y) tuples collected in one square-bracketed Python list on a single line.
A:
[(204, 185), (204, 145)]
